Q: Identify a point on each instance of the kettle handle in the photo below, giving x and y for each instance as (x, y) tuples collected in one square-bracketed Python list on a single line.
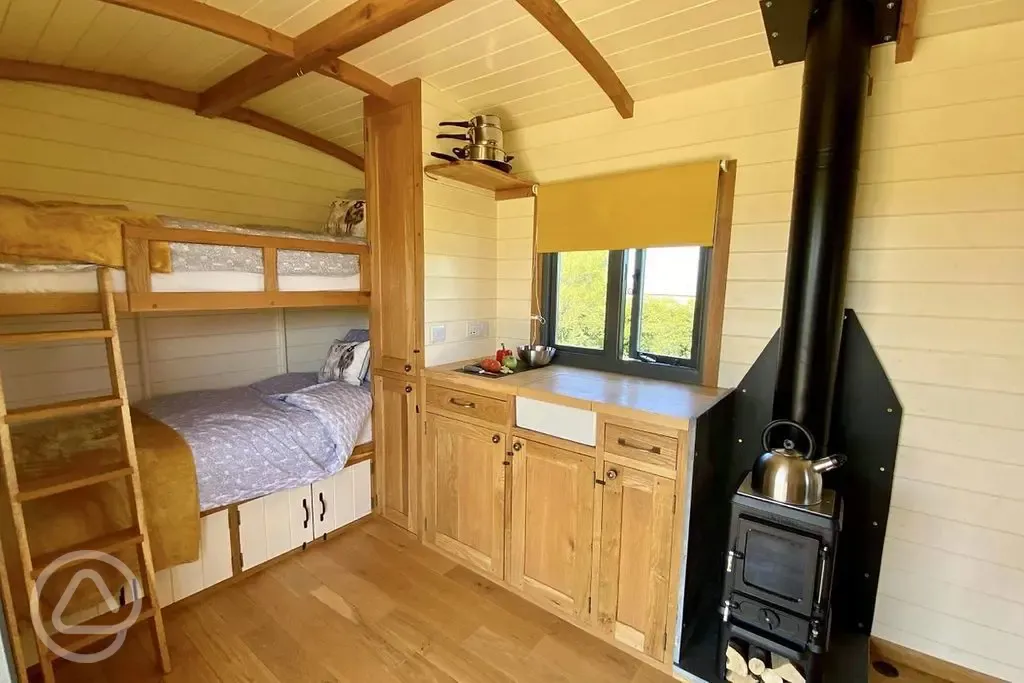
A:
[(788, 423)]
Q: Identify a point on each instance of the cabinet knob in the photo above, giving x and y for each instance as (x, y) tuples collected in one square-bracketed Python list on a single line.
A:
[(496, 438), (611, 474), (408, 368), (408, 388), (517, 446)]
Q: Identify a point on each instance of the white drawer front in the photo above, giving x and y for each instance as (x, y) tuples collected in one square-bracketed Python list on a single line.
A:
[(572, 424)]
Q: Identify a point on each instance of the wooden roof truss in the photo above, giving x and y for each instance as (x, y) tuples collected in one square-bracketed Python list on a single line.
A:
[(316, 50)]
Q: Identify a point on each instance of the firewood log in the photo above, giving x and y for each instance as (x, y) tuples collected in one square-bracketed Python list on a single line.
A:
[(756, 666), (735, 662), (786, 670), (769, 676), (734, 677)]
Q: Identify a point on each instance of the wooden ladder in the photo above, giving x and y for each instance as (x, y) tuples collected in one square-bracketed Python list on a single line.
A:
[(76, 477)]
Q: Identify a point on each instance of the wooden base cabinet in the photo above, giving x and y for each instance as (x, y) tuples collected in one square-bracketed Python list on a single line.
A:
[(635, 558), (465, 492), (552, 526), (395, 428)]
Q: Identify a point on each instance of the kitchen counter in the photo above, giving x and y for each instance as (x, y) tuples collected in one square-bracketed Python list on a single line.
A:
[(610, 393)]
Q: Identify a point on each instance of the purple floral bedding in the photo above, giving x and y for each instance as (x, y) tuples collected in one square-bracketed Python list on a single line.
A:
[(251, 441)]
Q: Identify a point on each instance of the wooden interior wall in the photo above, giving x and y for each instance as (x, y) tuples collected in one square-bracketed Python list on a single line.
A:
[(81, 145), (460, 243), (515, 270), (49, 373), (211, 350), (936, 277), (309, 333)]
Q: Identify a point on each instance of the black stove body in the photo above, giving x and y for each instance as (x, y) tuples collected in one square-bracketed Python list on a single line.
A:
[(778, 577)]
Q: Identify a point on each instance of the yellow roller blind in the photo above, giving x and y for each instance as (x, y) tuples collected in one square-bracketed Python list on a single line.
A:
[(658, 207)]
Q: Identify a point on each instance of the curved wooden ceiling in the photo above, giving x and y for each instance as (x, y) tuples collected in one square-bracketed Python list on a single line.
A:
[(488, 55)]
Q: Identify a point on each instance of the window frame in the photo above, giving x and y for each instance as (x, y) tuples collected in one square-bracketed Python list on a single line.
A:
[(609, 359)]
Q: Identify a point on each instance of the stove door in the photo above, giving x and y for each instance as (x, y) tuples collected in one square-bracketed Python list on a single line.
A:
[(776, 564)]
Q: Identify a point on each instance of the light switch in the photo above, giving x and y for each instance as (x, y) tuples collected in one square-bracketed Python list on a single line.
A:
[(477, 328), (437, 334)]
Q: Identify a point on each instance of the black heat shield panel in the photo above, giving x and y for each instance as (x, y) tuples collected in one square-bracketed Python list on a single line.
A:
[(785, 25), (865, 426)]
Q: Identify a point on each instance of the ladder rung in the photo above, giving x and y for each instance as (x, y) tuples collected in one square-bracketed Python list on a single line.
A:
[(109, 544), (79, 406), (45, 337), (76, 642), (72, 478)]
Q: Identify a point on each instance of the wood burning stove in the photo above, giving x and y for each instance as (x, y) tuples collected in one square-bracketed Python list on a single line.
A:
[(778, 578)]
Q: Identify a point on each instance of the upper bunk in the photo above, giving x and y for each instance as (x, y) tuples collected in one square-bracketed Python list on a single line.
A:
[(49, 250)]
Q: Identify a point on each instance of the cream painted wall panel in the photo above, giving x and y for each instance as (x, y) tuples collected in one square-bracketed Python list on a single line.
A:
[(212, 350), (88, 146), (460, 236), (936, 276), (309, 333), (48, 373), (515, 269)]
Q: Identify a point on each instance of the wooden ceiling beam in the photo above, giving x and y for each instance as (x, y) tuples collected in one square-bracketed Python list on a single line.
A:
[(908, 32), (247, 32), (13, 70), (552, 17), (356, 25)]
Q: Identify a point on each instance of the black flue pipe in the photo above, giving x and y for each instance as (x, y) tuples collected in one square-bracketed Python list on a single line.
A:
[(831, 121)]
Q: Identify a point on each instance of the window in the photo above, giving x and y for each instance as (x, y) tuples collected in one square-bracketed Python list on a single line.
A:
[(637, 311)]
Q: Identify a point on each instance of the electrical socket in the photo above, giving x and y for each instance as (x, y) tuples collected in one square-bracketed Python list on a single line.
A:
[(476, 328)]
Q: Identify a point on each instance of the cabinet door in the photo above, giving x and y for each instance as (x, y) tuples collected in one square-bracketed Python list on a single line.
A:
[(394, 213), (395, 427), (465, 488), (552, 525), (325, 505), (635, 559), (341, 499), (274, 524)]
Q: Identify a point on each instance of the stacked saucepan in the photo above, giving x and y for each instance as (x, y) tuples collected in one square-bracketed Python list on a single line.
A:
[(485, 142)]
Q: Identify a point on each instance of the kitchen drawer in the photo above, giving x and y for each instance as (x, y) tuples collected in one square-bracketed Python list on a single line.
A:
[(458, 402), (657, 450)]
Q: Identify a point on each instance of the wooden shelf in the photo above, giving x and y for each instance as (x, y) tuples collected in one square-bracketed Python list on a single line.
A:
[(474, 173)]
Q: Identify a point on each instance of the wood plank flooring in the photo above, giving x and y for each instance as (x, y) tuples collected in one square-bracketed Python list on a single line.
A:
[(371, 606)]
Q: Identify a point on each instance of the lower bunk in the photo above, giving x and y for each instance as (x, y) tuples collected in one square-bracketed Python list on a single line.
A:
[(231, 479)]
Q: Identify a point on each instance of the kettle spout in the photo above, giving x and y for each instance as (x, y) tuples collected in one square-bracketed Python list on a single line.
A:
[(828, 464)]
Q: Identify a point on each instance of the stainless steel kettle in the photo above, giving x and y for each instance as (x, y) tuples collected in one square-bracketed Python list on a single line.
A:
[(788, 475)]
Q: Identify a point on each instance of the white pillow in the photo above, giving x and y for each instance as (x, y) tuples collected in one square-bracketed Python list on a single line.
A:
[(356, 371)]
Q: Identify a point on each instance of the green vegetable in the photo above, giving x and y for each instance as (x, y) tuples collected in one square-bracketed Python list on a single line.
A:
[(510, 362)]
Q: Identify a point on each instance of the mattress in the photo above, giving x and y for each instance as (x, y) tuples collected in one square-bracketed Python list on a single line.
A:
[(249, 442), (205, 267), (82, 279)]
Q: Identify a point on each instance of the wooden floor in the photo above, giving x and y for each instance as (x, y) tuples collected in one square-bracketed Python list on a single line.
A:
[(372, 606)]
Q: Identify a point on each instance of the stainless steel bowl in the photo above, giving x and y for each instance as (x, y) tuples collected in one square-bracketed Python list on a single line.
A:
[(535, 356)]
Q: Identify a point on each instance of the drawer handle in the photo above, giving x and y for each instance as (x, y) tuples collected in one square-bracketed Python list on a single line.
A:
[(639, 446), (496, 438), (408, 388), (611, 474), (461, 404), (408, 368)]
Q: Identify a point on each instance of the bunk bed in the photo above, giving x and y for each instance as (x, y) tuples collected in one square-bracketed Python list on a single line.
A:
[(198, 458), (162, 263)]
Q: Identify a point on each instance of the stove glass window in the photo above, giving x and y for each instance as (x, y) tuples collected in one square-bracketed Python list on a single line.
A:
[(778, 563)]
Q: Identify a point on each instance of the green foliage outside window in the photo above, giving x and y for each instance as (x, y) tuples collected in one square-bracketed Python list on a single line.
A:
[(666, 328)]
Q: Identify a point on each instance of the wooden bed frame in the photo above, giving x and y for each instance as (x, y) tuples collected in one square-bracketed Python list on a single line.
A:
[(140, 298)]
